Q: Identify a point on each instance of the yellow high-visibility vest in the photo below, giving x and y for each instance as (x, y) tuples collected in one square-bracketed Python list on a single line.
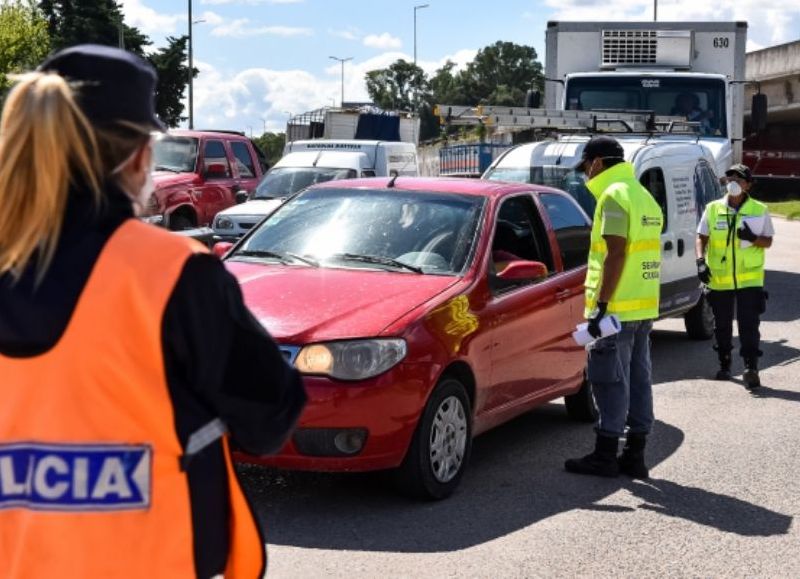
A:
[(733, 266), (637, 294)]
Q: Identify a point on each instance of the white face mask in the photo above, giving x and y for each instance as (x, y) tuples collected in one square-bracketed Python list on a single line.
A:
[(734, 189)]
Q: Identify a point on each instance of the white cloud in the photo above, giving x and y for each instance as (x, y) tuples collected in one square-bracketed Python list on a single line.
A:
[(349, 33), (383, 41), (249, 2), (770, 21), (212, 18), (150, 21), (244, 27), (239, 100)]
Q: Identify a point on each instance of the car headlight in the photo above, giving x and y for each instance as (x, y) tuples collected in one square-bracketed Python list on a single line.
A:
[(223, 223), (351, 360)]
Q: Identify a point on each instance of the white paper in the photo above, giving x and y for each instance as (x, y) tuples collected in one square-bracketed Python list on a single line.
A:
[(756, 225), (609, 326)]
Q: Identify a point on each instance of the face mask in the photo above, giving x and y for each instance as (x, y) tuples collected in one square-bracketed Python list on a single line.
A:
[(734, 189)]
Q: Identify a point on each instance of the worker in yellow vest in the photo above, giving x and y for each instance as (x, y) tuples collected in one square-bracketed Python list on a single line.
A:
[(622, 280), (129, 362), (732, 237)]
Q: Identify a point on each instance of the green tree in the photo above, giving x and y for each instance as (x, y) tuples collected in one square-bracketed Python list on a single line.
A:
[(501, 74), (24, 41), (173, 71), (73, 22), (272, 145), (446, 86), (403, 86)]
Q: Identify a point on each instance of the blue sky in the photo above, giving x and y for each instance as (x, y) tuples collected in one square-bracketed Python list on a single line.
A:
[(260, 60)]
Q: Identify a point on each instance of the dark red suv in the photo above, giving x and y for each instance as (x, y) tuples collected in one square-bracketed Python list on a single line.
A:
[(200, 173)]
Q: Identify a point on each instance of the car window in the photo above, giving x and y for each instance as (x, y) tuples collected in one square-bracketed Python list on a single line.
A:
[(175, 154), (214, 154), (285, 181), (519, 234), (244, 161), (706, 186), (653, 181), (572, 228), (357, 228)]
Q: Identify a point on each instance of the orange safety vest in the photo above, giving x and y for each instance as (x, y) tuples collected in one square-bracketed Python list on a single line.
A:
[(90, 482)]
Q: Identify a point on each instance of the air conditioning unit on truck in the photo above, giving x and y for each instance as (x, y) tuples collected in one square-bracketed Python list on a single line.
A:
[(691, 69)]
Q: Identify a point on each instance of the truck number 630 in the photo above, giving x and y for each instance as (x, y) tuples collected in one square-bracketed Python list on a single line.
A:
[(721, 42)]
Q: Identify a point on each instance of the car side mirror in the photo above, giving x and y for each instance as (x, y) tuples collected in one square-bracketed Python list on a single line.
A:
[(758, 112), (221, 248), (216, 171), (241, 196), (523, 270)]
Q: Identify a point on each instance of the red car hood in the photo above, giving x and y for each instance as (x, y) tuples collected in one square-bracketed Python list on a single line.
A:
[(299, 305)]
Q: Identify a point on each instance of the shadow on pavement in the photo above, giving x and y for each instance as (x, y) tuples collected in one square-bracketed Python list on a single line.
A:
[(725, 513), (516, 478), (767, 392), (783, 305), (676, 357)]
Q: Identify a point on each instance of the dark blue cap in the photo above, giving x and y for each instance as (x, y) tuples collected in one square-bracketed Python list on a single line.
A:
[(600, 146), (111, 84)]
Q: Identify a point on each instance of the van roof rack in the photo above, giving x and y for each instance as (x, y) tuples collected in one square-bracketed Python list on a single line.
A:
[(596, 121)]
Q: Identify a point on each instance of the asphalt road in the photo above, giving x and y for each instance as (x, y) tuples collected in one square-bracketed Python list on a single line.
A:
[(723, 500)]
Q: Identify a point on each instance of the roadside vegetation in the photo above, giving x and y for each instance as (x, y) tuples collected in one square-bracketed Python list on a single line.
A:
[(788, 209)]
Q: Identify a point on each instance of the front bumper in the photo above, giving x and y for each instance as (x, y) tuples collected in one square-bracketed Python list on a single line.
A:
[(387, 408)]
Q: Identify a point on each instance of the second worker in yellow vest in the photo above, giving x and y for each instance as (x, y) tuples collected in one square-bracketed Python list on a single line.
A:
[(623, 279), (731, 240)]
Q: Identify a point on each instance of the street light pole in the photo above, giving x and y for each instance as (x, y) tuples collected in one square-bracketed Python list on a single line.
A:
[(655, 10), (191, 71), (342, 60), (418, 7)]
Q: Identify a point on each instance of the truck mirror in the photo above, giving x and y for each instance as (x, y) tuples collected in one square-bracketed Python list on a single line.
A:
[(758, 112), (533, 99), (216, 171)]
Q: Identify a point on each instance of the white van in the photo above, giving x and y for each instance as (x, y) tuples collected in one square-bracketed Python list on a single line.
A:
[(679, 173), (305, 163)]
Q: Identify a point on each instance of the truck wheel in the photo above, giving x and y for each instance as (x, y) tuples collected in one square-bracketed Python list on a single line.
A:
[(699, 320), (180, 222), (580, 406), (440, 449)]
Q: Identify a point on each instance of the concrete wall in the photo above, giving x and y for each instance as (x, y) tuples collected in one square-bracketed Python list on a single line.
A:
[(777, 69)]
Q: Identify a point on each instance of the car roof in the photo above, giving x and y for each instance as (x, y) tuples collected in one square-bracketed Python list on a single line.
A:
[(221, 134), (476, 187)]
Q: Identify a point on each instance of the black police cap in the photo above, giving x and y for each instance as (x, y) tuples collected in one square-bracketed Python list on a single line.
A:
[(600, 146), (112, 85)]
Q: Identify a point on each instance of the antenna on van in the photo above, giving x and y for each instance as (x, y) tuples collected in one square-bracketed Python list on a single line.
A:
[(390, 184)]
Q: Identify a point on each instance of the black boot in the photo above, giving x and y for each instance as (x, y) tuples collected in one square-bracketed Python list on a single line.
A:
[(601, 462), (751, 379), (724, 372), (631, 461)]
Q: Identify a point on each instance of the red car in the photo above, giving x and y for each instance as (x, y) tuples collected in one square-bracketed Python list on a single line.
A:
[(200, 173), (422, 312)]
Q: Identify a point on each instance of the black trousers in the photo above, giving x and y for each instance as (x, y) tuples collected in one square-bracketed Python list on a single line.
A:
[(748, 304)]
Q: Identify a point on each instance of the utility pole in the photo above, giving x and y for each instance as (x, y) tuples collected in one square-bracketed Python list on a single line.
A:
[(418, 7), (191, 72), (655, 10), (342, 60)]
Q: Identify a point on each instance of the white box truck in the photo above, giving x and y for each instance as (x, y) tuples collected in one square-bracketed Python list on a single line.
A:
[(690, 69)]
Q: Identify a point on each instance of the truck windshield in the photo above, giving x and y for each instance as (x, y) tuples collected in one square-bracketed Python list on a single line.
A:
[(698, 100), (285, 181), (176, 154)]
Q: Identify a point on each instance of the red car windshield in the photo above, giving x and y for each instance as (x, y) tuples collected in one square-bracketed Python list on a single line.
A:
[(432, 233), (175, 154)]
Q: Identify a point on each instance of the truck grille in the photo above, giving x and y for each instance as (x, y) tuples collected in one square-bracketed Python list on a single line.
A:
[(629, 47)]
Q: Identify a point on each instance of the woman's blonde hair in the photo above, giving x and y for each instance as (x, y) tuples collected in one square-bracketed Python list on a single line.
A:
[(46, 144)]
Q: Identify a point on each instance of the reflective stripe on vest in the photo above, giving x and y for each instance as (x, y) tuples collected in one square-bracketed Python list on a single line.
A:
[(733, 266), (90, 481), (637, 294)]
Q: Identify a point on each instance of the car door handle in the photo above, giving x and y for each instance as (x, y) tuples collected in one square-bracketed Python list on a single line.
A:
[(562, 294), (668, 246), (680, 247)]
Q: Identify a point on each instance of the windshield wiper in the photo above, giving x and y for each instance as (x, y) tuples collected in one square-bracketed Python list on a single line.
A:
[(285, 258), (378, 260), (165, 168)]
